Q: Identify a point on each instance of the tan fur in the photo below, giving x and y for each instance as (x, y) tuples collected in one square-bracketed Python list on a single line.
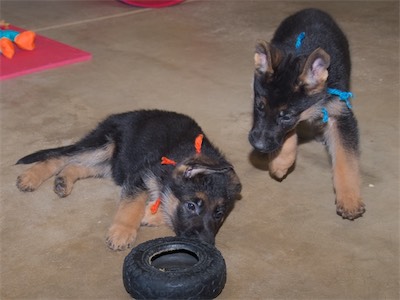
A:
[(314, 80), (169, 207), (33, 177), (202, 196), (267, 58), (262, 61), (154, 193), (280, 162), (151, 219), (71, 173), (334, 108), (311, 113), (69, 168), (93, 157), (345, 176), (122, 233)]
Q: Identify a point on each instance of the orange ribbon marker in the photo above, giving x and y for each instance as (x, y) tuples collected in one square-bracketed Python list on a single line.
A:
[(155, 206), (198, 142), (167, 161)]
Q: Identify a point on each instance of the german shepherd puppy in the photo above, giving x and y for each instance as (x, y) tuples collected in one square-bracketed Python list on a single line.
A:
[(304, 74), (159, 158)]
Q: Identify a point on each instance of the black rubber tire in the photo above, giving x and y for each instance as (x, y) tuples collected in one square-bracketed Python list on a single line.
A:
[(174, 268)]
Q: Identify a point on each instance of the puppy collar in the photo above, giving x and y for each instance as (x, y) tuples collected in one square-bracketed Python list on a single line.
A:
[(166, 161)]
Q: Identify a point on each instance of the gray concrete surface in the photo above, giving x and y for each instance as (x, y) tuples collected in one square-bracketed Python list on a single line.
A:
[(283, 240)]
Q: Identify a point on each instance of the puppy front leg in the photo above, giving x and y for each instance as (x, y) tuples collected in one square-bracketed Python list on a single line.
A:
[(153, 218), (343, 147), (130, 213), (280, 162)]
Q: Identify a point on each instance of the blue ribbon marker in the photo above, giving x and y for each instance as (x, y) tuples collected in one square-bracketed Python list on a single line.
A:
[(343, 96), (299, 39), (325, 115)]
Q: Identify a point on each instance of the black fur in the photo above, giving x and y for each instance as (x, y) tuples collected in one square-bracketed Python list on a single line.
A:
[(205, 184), (291, 85), (269, 128)]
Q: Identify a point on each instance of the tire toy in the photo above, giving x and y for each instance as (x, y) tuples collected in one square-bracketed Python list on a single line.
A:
[(174, 268)]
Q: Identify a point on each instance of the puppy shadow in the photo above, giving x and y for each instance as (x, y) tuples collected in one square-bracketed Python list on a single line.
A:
[(259, 160)]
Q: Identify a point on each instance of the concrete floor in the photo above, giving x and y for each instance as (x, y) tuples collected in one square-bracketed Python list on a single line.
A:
[(283, 240)]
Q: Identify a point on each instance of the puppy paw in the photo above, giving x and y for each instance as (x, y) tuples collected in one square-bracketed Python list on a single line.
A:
[(282, 162), (153, 220), (280, 166), (61, 187), (28, 182), (120, 237), (351, 209), (278, 173)]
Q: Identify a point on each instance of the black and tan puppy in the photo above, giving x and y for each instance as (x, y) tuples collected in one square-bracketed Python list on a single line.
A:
[(304, 74), (159, 159)]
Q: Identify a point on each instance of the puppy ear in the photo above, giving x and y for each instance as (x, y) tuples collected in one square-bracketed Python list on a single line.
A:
[(191, 170), (262, 58), (315, 71), (235, 187), (200, 165)]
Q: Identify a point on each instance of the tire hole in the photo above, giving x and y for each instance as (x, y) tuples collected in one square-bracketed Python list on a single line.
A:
[(174, 260)]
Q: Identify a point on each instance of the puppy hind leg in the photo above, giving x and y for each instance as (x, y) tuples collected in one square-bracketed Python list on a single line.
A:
[(280, 163), (65, 180), (89, 163), (33, 177), (123, 231)]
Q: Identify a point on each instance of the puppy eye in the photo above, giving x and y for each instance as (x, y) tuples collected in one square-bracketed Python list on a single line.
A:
[(260, 104), (218, 214), (284, 116), (191, 206)]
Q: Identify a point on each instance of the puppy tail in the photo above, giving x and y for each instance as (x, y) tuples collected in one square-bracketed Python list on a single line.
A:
[(103, 135), (45, 154)]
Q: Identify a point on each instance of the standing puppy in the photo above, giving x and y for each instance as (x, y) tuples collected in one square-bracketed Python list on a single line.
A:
[(304, 74), (168, 170)]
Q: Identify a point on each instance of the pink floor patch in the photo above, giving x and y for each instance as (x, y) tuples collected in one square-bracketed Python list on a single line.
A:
[(48, 54)]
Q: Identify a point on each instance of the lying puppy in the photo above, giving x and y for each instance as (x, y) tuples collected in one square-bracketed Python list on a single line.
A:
[(304, 74), (159, 159)]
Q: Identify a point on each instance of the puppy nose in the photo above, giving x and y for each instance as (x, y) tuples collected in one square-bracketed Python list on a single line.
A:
[(256, 141), (210, 239), (258, 145)]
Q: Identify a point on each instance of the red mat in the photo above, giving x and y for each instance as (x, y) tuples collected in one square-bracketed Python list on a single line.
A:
[(152, 3), (48, 54)]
